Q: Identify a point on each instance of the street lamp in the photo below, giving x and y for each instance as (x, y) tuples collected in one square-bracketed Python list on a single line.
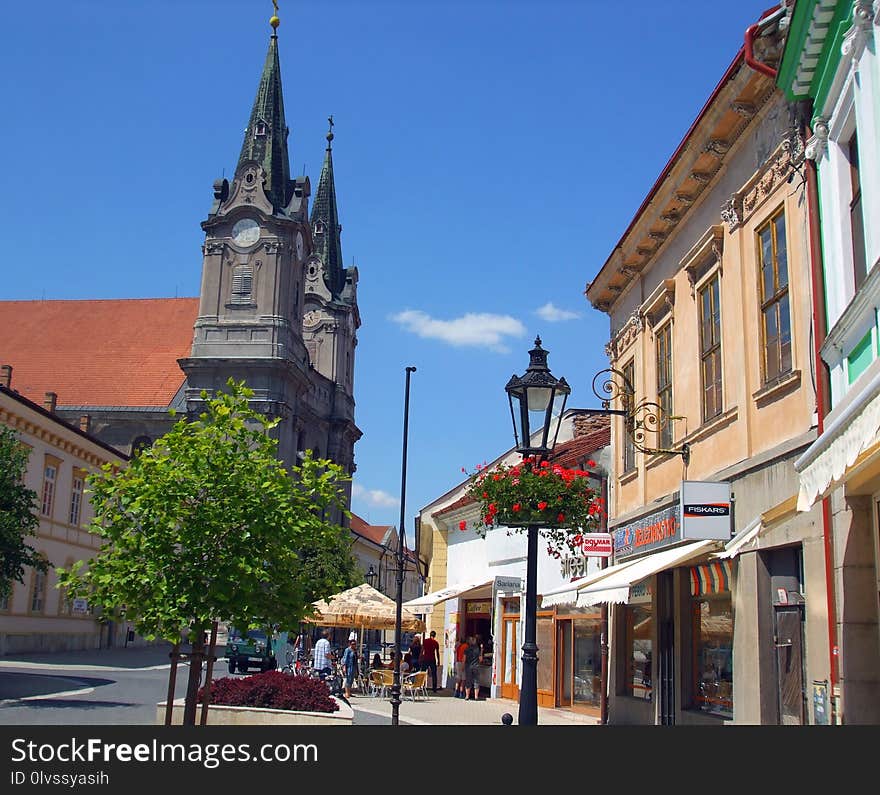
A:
[(537, 400), (395, 688), (371, 576)]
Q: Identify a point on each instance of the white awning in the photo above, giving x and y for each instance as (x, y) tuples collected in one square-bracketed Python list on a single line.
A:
[(422, 604), (567, 594), (615, 589), (742, 539), (826, 460)]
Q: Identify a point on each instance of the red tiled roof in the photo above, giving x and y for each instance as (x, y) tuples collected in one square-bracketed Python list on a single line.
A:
[(98, 353), (374, 533)]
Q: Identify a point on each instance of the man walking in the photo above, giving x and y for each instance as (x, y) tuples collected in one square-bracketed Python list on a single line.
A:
[(322, 663), (431, 658)]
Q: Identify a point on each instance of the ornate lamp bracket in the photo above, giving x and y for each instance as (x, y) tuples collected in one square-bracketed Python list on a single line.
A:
[(639, 419)]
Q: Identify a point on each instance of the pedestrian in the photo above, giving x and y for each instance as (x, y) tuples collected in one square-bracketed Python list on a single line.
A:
[(377, 661), (407, 664), (431, 658), (322, 663), (349, 665), (472, 659), (415, 649), (460, 647)]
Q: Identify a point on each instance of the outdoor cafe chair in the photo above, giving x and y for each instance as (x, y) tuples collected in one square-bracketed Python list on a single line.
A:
[(415, 683)]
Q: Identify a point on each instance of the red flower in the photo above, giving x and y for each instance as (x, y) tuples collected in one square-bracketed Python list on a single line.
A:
[(560, 518), (462, 525), (542, 505), (545, 463), (515, 507), (591, 463)]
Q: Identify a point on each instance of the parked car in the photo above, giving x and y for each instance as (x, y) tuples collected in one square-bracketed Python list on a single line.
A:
[(254, 648)]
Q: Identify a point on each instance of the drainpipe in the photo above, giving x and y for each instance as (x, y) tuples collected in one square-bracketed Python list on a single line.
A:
[(822, 390), (770, 15)]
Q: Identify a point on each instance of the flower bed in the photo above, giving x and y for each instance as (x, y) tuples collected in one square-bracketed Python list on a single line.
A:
[(272, 690)]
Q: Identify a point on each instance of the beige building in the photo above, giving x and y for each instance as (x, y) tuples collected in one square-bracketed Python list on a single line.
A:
[(709, 296), (38, 616)]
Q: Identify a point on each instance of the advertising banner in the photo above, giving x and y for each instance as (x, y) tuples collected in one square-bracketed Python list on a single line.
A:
[(705, 510)]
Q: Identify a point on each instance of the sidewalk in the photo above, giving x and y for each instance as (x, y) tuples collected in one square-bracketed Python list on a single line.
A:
[(442, 709)]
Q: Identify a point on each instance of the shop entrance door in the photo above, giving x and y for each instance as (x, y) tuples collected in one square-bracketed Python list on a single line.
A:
[(665, 685), (510, 647), (563, 664), (790, 664)]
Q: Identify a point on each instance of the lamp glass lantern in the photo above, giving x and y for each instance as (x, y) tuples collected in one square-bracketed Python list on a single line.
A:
[(371, 576), (537, 401)]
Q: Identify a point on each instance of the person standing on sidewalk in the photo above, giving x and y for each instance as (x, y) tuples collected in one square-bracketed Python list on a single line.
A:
[(431, 658), (322, 663), (460, 648)]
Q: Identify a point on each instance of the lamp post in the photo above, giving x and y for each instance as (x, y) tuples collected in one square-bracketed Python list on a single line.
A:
[(537, 400), (395, 688), (371, 578)]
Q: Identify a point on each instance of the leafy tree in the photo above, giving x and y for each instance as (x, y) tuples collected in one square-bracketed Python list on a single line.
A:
[(18, 514), (208, 525)]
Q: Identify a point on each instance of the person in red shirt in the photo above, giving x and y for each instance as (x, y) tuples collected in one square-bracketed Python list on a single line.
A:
[(460, 648), (431, 658)]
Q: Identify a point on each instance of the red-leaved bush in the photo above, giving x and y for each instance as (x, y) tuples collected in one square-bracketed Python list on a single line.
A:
[(273, 690)]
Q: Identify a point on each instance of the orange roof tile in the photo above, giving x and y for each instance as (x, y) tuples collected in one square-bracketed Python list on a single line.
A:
[(374, 533), (120, 352)]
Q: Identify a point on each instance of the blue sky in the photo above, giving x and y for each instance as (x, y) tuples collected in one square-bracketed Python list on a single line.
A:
[(488, 157)]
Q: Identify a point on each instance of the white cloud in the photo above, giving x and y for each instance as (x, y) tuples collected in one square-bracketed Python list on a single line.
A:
[(374, 497), (471, 330), (553, 314)]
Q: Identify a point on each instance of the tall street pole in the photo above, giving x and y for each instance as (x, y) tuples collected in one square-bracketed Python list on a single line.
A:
[(528, 694), (395, 688)]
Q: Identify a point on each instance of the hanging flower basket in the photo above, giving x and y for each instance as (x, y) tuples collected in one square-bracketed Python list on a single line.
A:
[(561, 502)]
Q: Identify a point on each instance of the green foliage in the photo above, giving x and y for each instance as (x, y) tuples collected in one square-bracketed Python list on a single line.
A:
[(207, 524), (560, 501), (18, 514)]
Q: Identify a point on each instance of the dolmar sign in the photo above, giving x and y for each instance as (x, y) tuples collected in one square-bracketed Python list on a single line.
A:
[(597, 545)]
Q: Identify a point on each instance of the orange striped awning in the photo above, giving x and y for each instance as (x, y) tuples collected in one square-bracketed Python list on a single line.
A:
[(711, 578)]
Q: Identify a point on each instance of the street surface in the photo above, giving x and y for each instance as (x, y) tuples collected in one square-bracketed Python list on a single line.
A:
[(123, 686)]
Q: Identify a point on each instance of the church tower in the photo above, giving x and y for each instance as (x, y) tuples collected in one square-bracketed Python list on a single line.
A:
[(258, 241)]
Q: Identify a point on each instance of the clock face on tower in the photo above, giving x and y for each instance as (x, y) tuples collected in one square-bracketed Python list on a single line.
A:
[(245, 232)]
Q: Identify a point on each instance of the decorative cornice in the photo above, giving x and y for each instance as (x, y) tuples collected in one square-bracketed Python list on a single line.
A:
[(625, 336), (817, 144), (731, 212), (701, 177), (716, 146), (744, 109), (685, 199)]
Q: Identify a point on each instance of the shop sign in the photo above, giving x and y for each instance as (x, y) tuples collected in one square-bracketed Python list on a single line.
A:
[(648, 534), (640, 593), (508, 585), (597, 545), (80, 606), (478, 607), (705, 510)]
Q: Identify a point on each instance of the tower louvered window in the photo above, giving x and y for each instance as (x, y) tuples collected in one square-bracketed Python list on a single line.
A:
[(242, 284)]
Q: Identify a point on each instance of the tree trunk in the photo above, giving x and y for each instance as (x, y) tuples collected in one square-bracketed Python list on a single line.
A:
[(195, 677)]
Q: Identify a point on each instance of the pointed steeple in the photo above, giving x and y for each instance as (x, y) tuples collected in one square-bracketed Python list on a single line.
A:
[(265, 139), (326, 230)]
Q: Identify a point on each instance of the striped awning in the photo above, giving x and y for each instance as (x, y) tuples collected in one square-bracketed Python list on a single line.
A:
[(710, 578)]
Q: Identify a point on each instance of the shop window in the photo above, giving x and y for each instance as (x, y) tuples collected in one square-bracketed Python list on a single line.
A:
[(713, 655), (710, 347), (76, 495), (664, 382), (639, 634), (38, 591), (775, 314), (587, 662), (50, 475), (545, 638)]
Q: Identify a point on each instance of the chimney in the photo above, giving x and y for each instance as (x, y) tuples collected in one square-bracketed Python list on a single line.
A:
[(50, 401), (85, 423), (6, 376)]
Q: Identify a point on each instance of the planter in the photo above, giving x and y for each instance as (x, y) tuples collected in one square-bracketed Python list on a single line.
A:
[(220, 715)]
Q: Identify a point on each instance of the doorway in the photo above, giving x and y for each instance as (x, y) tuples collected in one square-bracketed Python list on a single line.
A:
[(509, 667), (665, 649), (789, 640)]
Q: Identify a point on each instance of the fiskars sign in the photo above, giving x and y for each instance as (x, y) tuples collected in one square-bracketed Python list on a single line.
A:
[(702, 512)]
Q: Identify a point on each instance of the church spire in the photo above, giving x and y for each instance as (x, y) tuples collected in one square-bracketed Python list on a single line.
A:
[(325, 222), (265, 139)]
